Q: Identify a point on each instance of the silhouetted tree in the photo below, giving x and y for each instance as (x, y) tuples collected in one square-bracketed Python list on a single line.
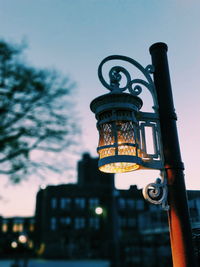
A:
[(35, 114)]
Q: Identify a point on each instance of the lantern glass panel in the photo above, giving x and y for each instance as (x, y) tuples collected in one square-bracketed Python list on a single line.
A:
[(106, 135), (106, 152), (121, 139), (119, 167)]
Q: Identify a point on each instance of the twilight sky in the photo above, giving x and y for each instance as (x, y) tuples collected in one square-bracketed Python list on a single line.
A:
[(75, 35)]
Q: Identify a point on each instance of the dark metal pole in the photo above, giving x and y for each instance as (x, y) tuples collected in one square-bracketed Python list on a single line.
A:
[(178, 215)]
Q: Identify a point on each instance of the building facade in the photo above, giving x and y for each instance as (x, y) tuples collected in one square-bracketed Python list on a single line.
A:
[(93, 220), (17, 236), (68, 224)]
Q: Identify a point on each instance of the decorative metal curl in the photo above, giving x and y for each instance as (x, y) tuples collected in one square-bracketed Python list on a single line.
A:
[(150, 69), (115, 78), (156, 193), (133, 85)]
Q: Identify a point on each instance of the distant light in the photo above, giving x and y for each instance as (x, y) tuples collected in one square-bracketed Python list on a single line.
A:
[(43, 186), (30, 244), (98, 210), (22, 239), (14, 244)]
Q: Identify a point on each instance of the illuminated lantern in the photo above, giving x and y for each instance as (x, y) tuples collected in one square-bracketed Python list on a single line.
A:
[(119, 145), (123, 127)]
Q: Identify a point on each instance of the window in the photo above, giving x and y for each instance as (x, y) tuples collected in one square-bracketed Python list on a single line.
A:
[(32, 225), (94, 222), (79, 223), (144, 220), (65, 203), (18, 225), (122, 221), (140, 204), (65, 220), (4, 226), (93, 202), (80, 203), (122, 203), (153, 207), (53, 203), (53, 223), (130, 203), (131, 222)]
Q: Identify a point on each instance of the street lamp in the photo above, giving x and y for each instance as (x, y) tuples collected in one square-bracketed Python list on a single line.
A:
[(99, 210), (23, 239), (123, 145)]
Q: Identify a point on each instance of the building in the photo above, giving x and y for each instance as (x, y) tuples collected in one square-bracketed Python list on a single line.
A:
[(93, 220), (16, 236), (68, 224), (66, 214)]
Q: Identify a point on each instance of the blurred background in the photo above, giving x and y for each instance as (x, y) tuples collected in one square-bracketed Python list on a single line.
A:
[(73, 37)]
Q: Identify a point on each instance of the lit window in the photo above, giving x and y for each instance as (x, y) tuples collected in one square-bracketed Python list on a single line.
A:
[(17, 227), (53, 223), (93, 202), (80, 203), (53, 203), (65, 203), (20, 227), (30, 244), (4, 227), (31, 227), (79, 223)]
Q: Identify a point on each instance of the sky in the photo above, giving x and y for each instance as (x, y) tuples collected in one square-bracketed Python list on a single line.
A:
[(74, 36)]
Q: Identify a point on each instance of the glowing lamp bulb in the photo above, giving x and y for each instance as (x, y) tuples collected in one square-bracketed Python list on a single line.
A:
[(22, 239), (99, 210), (14, 244)]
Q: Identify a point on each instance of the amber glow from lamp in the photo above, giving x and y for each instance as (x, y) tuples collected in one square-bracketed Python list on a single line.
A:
[(119, 167), (118, 146)]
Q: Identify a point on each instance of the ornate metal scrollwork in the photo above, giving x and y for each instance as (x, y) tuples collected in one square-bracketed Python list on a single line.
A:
[(134, 86), (156, 193)]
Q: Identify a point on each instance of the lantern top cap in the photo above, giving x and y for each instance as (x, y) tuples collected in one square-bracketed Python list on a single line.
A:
[(117, 100), (159, 45)]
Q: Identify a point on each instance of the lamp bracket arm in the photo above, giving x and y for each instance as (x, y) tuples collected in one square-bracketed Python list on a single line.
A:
[(134, 86)]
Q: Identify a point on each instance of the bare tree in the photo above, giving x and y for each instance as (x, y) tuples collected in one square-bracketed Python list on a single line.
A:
[(35, 114)]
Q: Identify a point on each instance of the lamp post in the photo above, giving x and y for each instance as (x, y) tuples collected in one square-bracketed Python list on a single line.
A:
[(123, 147)]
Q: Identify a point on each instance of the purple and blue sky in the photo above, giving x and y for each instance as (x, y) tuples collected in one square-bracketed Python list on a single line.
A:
[(75, 35)]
